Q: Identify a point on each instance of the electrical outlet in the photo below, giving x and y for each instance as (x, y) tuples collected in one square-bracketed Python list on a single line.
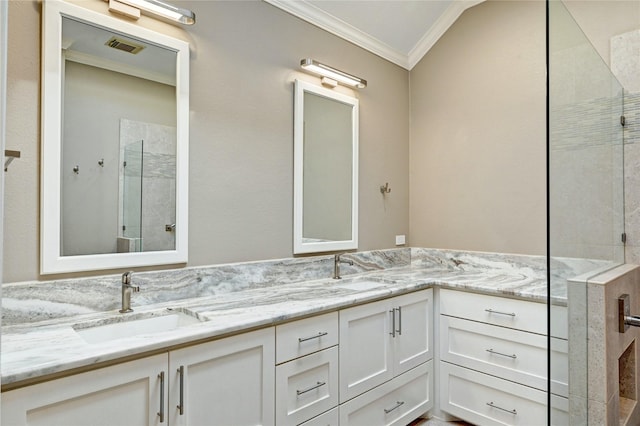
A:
[(400, 240)]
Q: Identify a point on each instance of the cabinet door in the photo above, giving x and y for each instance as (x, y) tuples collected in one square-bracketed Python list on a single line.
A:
[(413, 340), (226, 382), (132, 393), (365, 348)]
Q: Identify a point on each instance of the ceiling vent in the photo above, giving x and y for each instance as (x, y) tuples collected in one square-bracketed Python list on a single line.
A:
[(124, 45)]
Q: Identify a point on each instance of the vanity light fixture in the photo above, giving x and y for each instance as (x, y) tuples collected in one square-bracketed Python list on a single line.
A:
[(155, 7), (316, 67)]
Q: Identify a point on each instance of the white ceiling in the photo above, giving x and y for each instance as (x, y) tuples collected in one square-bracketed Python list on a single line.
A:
[(401, 31)]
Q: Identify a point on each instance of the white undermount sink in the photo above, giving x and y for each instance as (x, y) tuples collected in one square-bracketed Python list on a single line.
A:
[(135, 326), (361, 285)]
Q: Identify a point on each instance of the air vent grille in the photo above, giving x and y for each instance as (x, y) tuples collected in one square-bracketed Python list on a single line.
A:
[(124, 45)]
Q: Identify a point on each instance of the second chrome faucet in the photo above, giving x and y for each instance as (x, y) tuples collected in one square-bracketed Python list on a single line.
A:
[(336, 266), (127, 289)]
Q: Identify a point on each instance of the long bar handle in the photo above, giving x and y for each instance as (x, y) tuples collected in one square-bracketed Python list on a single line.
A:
[(161, 412), (399, 330), (181, 404), (491, 311), (309, 389), (398, 405), (393, 322), (491, 351), (317, 336), (492, 405)]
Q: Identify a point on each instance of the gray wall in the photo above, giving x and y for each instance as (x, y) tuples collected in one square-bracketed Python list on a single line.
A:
[(478, 133), (245, 57)]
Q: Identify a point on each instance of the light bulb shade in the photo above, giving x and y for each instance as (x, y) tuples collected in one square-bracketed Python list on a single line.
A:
[(166, 10), (332, 73)]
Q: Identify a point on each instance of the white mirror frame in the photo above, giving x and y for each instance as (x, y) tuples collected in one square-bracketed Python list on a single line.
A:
[(51, 259), (299, 246)]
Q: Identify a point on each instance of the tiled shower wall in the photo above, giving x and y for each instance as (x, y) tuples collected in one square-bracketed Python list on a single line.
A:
[(586, 193)]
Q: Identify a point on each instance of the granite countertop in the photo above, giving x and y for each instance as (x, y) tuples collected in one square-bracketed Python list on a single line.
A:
[(32, 351)]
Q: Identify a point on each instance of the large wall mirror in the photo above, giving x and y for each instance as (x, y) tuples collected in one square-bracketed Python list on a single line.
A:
[(115, 147), (325, 170)]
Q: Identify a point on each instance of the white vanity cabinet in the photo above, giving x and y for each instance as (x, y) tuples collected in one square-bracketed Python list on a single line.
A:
[(381, 340), (224, 382), (307, 371), (386, 343), (493, 353), (125, 394)]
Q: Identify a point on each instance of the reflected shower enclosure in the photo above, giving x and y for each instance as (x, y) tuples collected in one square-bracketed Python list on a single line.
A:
[(146, 199)]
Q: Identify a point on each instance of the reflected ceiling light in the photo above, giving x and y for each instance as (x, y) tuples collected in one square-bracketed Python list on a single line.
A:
[(332, 73), (160, 8)]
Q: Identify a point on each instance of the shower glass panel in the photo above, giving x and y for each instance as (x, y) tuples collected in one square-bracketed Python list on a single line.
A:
[(586, 201), (132, 194)]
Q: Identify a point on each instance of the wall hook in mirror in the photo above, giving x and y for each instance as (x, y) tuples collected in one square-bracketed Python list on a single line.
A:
[(101, 162), (384, 189), (76, 170), (10, 155)]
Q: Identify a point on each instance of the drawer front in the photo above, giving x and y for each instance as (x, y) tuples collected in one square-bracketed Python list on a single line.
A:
[(397, 402), (510, 354), (306, 387), (330, 418), (502, 311), (300, 338), (486, 400)]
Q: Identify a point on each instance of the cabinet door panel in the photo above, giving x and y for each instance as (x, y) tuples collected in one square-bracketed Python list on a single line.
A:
[(124, 394), (226, 382), (365, 348), (414, 338)]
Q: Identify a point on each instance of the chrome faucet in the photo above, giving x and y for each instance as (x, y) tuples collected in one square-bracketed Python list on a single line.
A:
[(336, 266), (127, 289)]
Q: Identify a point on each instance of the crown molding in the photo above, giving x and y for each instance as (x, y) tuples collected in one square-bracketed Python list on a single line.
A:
[(441, 26), (320, 18)]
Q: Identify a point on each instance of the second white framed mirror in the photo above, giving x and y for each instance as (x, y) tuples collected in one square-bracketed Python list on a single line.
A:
[(325, 170)]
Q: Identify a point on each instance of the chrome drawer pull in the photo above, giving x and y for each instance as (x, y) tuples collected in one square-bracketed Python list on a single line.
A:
[(317, 336), (393, 322), (161, 412), (491, 351), (399, 330), (491, 311), (181, 405), (398, 405), (316, 386), (492, 405)]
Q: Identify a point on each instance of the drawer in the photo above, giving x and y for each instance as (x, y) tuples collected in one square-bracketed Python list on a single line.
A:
[(505, 312), (510, 354), (302, 337), (306, 387), (330, 418), (486, 400), (396, 402)]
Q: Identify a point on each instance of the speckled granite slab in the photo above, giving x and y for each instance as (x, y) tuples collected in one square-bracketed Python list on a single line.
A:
[(39, 337)]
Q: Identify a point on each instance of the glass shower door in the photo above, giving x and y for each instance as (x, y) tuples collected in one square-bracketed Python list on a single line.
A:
[(585, 201), (132, 194)]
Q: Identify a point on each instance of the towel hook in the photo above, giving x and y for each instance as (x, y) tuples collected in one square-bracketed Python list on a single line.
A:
[(384, 189)]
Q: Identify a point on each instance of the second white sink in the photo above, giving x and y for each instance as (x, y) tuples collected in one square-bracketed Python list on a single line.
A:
[(135, 326), (361, 285)]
